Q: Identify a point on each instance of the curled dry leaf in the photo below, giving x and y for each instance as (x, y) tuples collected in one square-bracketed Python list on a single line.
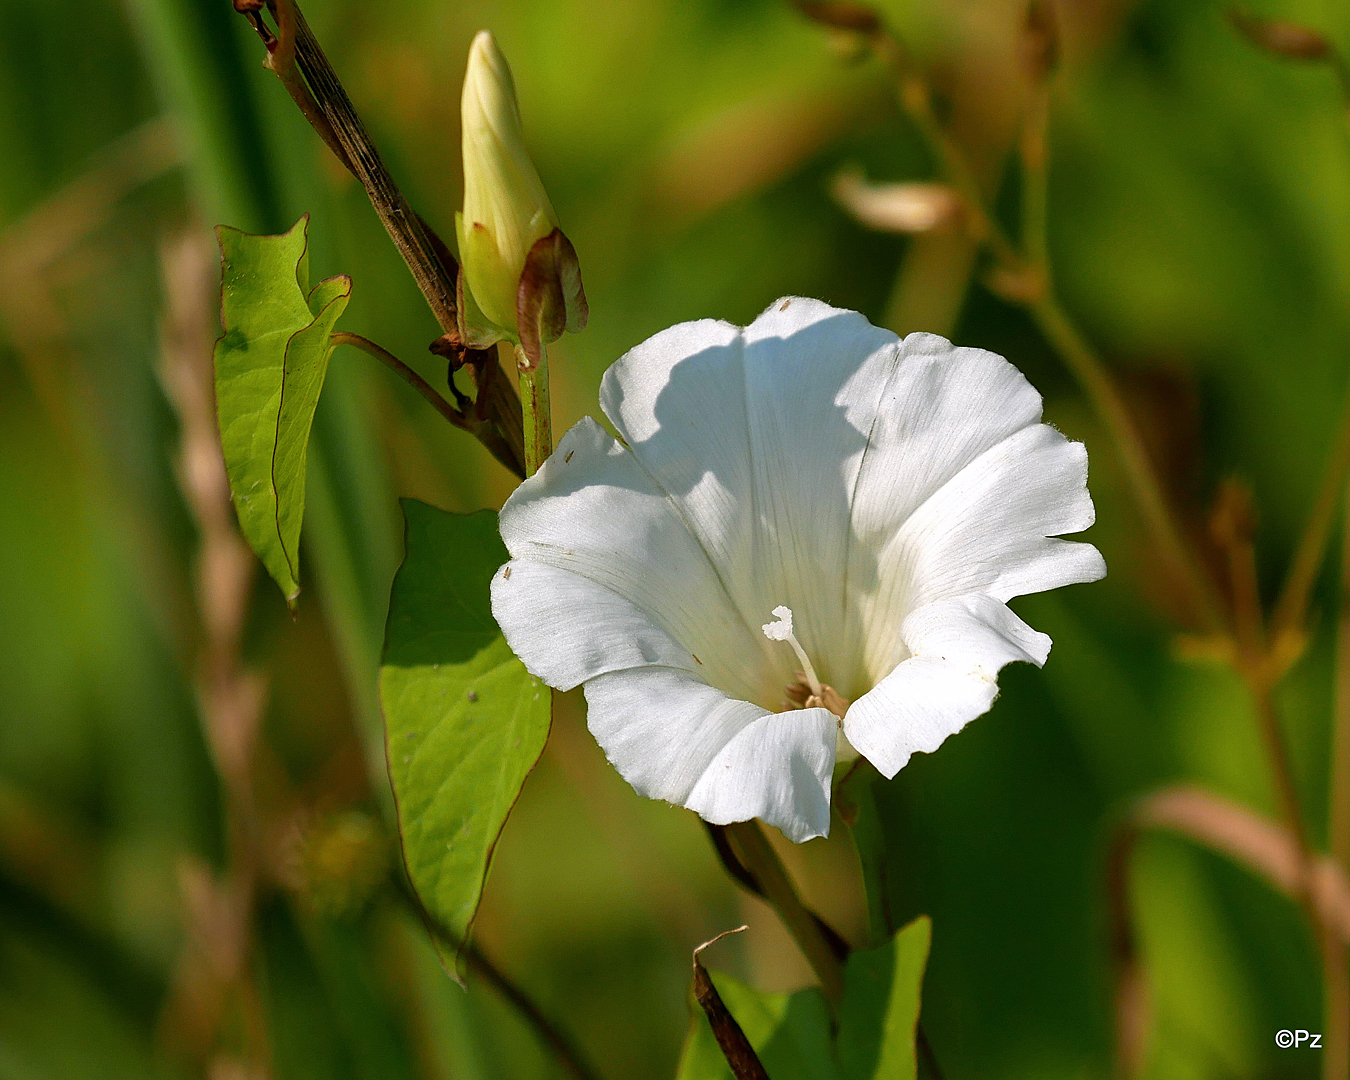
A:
[(897, 208), (550, 298), (740, 1055)]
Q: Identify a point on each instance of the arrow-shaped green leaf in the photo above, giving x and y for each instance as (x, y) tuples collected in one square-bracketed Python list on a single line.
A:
[(465, 721), (879, 1016), (270, 366)]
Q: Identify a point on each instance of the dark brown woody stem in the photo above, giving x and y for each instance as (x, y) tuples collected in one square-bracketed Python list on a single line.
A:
[(324, 102)]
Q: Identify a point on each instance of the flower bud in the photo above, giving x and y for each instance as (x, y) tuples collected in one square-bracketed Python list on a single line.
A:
[(506, 210)]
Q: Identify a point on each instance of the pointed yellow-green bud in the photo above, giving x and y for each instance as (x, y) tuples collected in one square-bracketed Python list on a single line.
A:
[(506, 210)]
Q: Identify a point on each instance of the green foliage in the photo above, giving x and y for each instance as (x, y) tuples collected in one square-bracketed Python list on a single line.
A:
[(270, 367), (880, 1011), (1197, 205), (790, 1033), (857, 805), (466, 722), (793, 1034)]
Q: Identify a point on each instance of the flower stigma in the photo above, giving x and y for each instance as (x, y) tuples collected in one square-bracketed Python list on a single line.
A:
[(781, 630)]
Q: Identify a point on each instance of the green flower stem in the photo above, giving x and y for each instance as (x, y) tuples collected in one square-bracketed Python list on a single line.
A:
[(759, 857), (534, 400)]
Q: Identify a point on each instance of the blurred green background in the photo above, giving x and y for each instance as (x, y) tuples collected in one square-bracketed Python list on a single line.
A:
[(1200, 226)]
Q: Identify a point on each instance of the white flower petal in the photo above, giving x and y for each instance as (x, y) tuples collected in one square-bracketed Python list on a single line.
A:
[(572, 629), (674, 738), (990, 529), (591, 511), (757, 435), (957, 647), (881, 500), (943, 408)]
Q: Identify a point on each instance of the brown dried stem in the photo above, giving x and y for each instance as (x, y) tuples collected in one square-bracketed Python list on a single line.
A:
[(323, 100), (1270, 852), (215, 969), (735, 1047), (1233, 525), (1095, 378)]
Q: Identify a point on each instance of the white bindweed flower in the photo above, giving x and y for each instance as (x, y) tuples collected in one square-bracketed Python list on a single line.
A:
[(880, 500)]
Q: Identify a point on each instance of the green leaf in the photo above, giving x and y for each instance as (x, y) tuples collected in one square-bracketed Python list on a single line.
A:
[(270, 366), (465, 721), (880, 1011), (857, 805), (791, 1033)]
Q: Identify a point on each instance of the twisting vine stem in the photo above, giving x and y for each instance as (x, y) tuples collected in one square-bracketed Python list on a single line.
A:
[(295, 56), (407, 374)]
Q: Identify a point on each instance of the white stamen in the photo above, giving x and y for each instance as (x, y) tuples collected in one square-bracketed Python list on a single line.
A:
[(781, 630)]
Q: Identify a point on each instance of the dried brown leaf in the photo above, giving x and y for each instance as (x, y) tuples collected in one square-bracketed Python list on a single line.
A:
[(897, 208), (736, 1048), (551, 298)]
